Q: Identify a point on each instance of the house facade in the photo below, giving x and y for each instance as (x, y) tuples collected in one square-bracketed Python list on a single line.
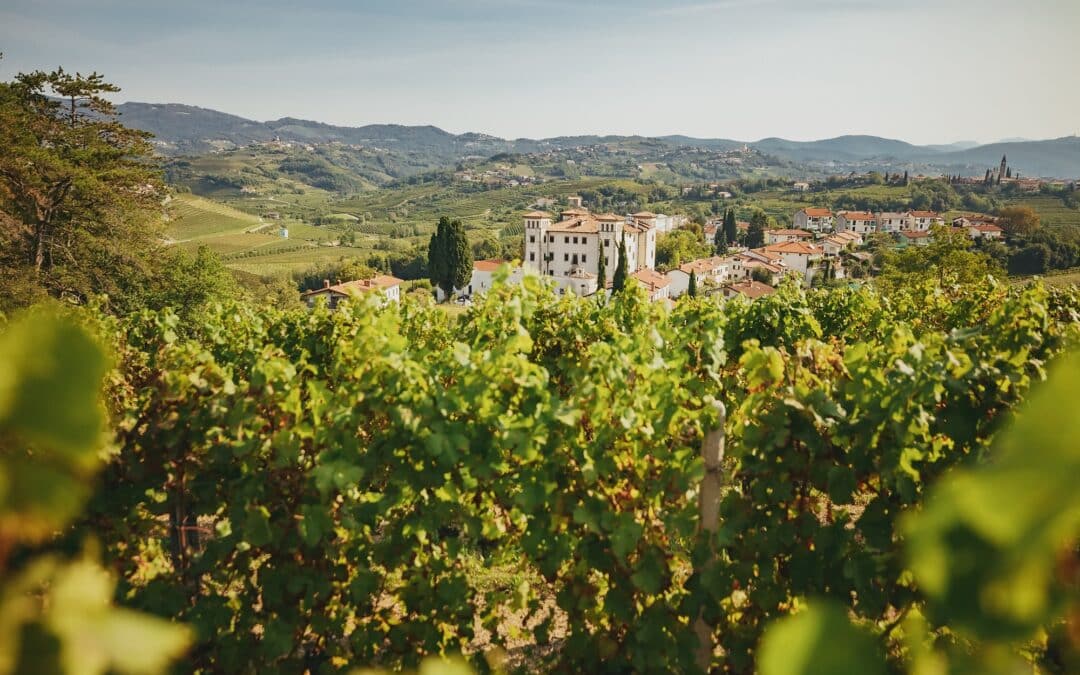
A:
[(859, 222), (924, 220), (799, 257), (888, 221), (814, 220)]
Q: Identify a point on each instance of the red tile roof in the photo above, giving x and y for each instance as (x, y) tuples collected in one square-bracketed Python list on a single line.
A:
[(652, 279), (381, 282), (793, 247), (857, 215), (751, 289), (817, 212), (488, 265)]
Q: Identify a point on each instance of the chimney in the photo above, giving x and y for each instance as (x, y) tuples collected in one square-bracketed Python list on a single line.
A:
[(326, 283)]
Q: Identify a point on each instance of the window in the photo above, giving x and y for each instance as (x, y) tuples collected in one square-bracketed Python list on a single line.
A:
[(532, 238), (532, 257), (607, 242), (583, 258), (575, 240), (566, 257), (566, 240)]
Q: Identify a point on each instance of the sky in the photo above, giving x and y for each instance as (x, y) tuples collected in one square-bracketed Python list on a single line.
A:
[(924, 71)]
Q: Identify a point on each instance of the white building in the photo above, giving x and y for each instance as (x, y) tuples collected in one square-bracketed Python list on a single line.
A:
[(712, 271), (888, 221), (743, 266), (814, 220), (859, 222), (387, 286), (483, 277), (662, 222), (924, 220), (799, 257), (568, 251)]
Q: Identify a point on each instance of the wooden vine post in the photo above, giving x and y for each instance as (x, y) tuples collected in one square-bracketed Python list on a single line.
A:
[(712, 451)]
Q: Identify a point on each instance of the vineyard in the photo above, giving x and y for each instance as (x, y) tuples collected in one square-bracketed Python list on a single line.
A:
[(521, 485)]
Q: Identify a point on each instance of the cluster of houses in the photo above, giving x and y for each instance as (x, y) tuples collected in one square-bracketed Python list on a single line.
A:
[(570, 250), (501, 176), (909, 226)]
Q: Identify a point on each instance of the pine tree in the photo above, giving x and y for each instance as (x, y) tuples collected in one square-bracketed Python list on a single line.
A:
[(618, 282), (720, 242), (691, 289), (731, 228)]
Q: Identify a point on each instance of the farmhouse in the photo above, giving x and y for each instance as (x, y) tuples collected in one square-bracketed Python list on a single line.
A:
[(387, 286)]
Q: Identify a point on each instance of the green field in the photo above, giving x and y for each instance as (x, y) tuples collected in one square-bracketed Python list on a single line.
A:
[(196, 217)]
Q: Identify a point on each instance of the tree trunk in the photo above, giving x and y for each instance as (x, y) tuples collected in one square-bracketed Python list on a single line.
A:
[(712, 451)]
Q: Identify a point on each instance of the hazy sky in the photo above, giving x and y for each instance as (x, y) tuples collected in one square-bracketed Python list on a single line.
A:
[(926, 71)]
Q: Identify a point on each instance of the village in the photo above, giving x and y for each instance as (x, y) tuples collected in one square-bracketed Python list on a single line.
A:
[(578, 252)]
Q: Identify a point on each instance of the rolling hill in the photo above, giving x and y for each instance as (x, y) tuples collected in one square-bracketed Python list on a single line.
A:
[(189, 130)]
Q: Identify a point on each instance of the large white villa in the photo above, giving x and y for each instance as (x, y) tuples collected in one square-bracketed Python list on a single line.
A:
[(568, 250)]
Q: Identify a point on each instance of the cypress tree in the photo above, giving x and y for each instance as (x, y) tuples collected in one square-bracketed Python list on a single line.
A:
[(437, 253), (450, 259), (731, 228), (905, 177), (619, 280), (720, 241), (459, 256), (755, 234), (691, 288)]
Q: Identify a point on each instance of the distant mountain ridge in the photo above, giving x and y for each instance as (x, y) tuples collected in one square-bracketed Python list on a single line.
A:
[(183, 129)]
